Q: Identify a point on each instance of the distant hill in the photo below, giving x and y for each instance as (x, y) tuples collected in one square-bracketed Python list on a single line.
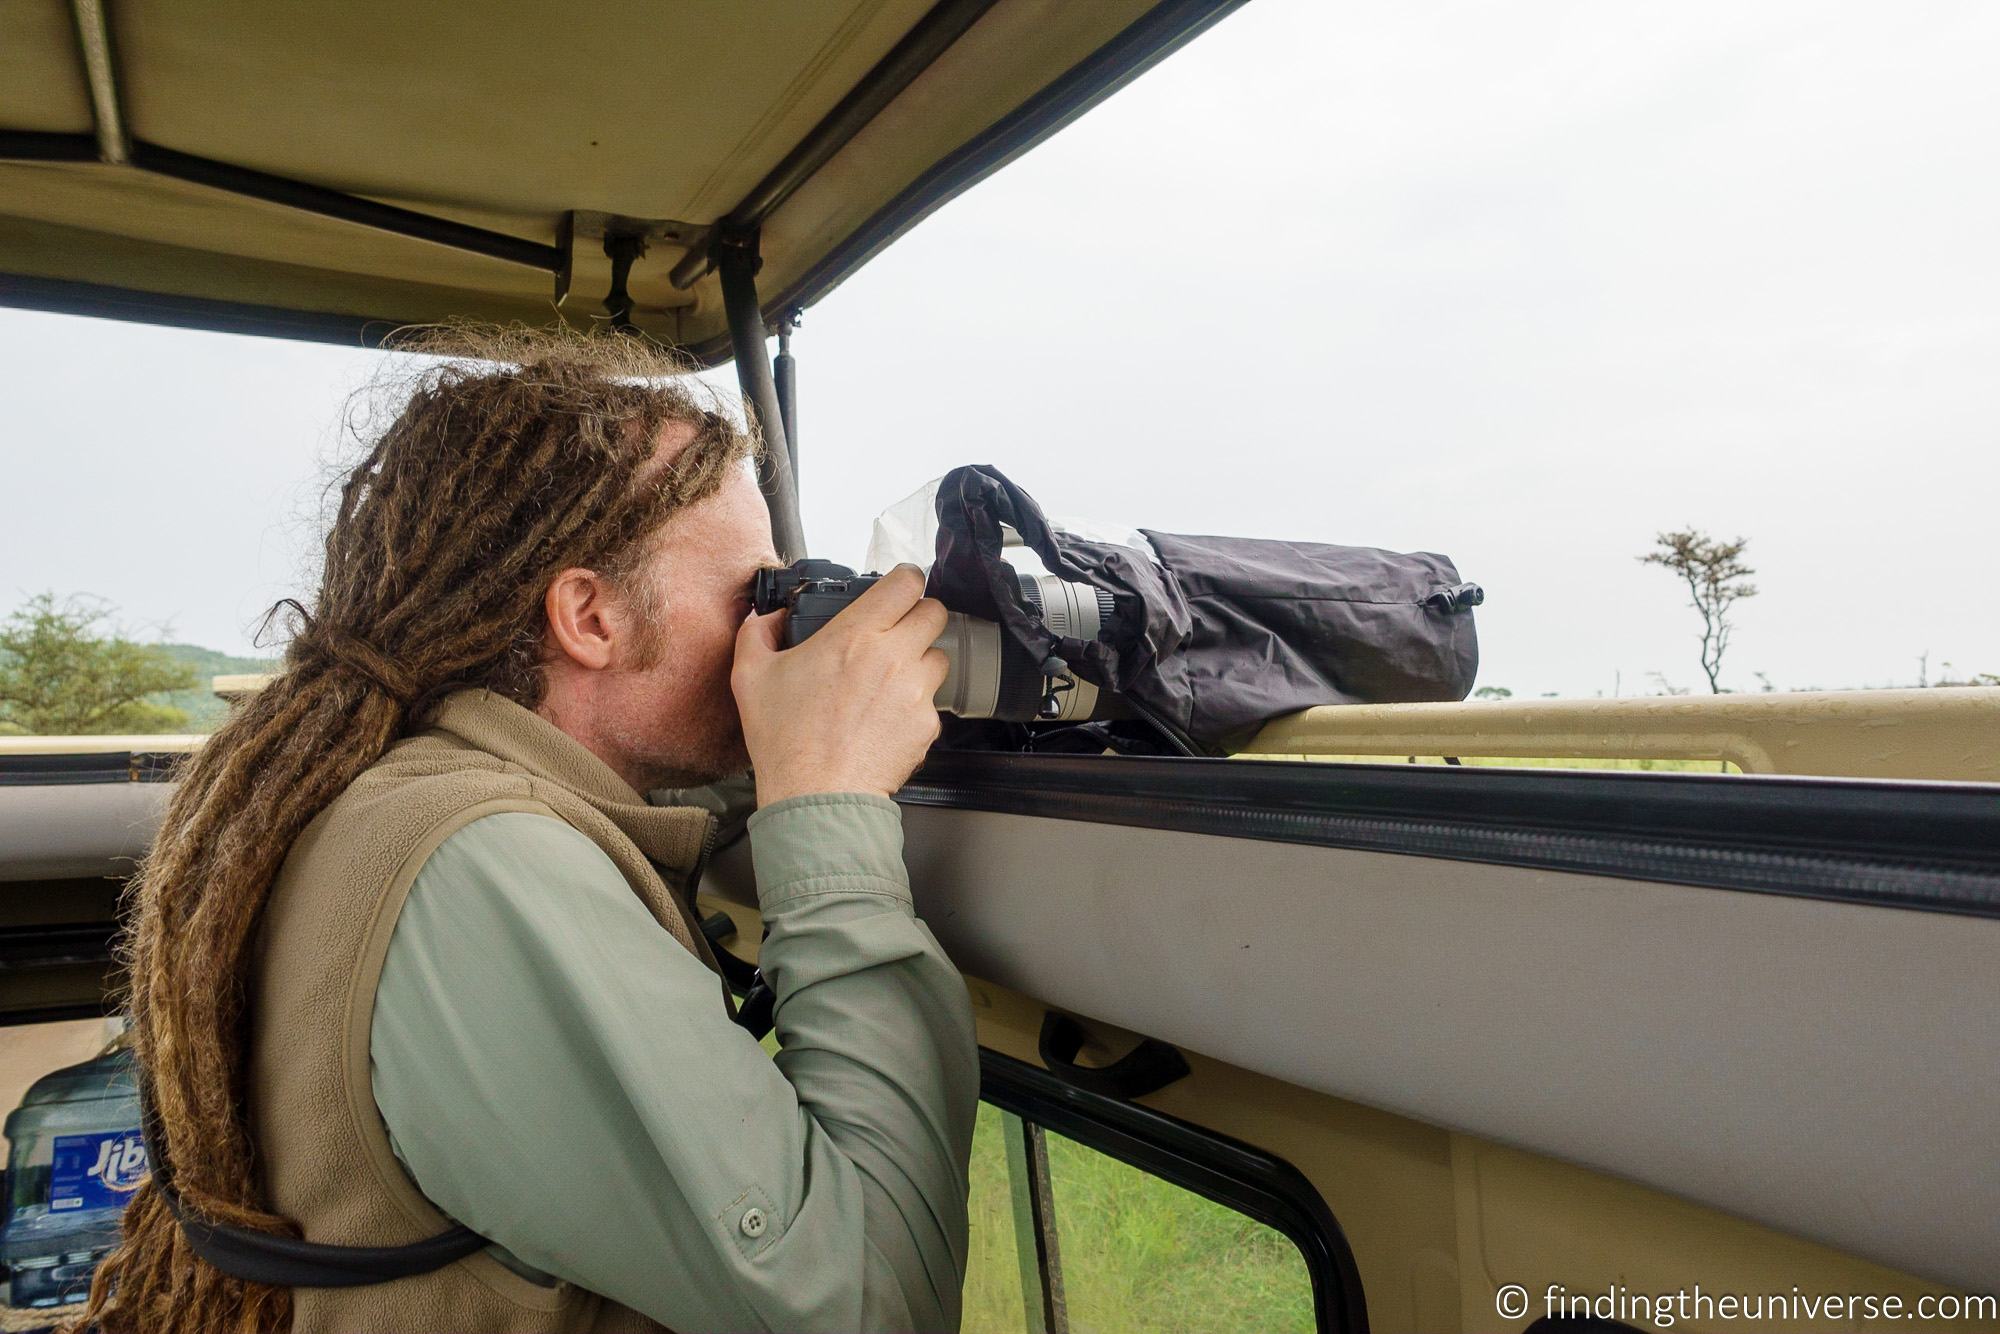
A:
[(205, 712)]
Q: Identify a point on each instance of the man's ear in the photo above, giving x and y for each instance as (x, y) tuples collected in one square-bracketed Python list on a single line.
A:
[(580, 608)]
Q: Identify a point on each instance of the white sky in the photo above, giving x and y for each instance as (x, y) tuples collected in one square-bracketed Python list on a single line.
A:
[(1522, 283)]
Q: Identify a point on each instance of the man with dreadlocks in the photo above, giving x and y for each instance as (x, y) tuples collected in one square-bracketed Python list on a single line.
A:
[(414, 963)]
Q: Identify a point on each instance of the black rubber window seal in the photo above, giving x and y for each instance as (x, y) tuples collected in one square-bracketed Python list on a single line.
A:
[(1932, 847)]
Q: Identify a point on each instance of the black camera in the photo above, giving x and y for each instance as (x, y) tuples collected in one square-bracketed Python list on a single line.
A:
[(991, 675), (814, 590)]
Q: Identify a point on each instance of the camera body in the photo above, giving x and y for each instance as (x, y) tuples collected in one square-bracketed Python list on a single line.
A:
[(816, 591), (991, 676)]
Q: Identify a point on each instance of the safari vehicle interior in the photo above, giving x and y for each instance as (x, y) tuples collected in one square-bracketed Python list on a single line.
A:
[(1429, 1030)]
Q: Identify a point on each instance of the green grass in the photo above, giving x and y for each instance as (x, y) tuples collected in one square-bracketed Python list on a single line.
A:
[(1138, 1255)]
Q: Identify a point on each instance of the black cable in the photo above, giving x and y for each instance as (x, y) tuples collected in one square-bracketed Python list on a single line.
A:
[(1180, 740)]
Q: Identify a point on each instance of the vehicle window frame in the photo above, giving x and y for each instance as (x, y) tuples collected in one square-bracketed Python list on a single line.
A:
[(1239, 1176)]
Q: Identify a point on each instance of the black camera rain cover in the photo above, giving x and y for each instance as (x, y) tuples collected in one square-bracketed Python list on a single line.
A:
[(1221, 634)]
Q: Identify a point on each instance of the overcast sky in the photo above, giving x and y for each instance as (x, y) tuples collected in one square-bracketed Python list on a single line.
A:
[(1522, 283)]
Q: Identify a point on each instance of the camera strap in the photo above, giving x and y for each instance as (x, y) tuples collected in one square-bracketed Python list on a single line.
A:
[(756, 1003), (290, 1262)]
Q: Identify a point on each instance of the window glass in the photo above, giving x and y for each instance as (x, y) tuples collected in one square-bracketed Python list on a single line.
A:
[(1132, 1253)]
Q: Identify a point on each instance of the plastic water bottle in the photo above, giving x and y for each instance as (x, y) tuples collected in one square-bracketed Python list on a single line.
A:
[(76, 1158)]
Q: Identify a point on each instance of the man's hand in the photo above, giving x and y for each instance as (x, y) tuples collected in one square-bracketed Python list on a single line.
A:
[(850, 709)]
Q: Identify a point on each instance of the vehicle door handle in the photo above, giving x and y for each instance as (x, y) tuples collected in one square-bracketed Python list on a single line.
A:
[(1147, 1068)]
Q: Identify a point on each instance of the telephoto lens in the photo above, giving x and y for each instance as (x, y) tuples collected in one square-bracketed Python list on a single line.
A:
[(991, 676)]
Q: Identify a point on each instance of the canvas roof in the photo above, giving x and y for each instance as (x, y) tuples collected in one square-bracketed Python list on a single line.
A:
[(176, 160)]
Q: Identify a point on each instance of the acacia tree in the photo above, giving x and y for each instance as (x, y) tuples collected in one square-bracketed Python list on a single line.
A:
[(1716, 578), (63, 674)]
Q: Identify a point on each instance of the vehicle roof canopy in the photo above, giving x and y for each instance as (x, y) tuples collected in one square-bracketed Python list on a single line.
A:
[(334, 171)]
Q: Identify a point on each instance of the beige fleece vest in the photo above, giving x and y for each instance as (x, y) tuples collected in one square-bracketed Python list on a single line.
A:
[(324, 1151)]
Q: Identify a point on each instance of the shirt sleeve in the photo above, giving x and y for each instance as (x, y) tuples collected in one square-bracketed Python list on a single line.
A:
[(557, 1074)]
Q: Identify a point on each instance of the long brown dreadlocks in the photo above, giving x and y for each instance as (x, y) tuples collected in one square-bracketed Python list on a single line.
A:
[(516, 456)]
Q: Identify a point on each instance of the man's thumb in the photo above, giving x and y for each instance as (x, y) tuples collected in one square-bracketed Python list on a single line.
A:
[(760, 636)]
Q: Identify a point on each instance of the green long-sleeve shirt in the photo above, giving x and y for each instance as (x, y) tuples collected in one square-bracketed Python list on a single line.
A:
[(557, 1073)]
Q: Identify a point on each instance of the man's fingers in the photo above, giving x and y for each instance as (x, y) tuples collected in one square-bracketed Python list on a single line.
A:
[(888, 601), (924, 622)]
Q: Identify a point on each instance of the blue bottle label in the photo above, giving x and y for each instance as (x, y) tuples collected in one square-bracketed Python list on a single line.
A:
[(96, 1171)]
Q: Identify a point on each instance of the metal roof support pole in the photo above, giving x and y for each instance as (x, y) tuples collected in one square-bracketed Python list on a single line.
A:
[(920, 47), (785, 370), (44, 146), (93, 34), (737, 261)]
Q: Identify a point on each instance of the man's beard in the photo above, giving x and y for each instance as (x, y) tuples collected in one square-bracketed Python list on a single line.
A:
[(708, 759), (702, 743)]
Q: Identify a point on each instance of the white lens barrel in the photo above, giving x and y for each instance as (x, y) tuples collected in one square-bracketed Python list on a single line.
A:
[(1071, 611), (978, 684), (971, 689)]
